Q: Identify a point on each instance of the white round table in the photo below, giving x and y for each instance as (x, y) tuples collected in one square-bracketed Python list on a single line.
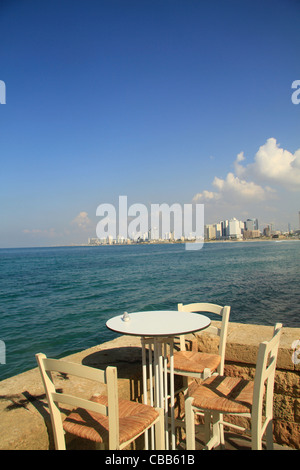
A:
[(157, 330), (159, 323)]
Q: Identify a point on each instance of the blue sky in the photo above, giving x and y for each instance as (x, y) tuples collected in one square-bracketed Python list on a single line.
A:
[(163, 101)]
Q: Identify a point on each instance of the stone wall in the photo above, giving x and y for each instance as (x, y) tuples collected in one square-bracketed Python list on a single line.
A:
[(25, 422)]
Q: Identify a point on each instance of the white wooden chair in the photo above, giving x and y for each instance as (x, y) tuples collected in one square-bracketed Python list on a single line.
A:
[(111, 422), (219, 395), (193, 364), (197, 364)]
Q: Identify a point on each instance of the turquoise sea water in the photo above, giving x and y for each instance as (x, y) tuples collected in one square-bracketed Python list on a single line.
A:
[(57, 300)]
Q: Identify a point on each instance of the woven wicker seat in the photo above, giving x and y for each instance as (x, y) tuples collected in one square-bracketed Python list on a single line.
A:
[(107, 420), (218, 395), (192, 361), (133, 419), (199, 364), (224, 394)]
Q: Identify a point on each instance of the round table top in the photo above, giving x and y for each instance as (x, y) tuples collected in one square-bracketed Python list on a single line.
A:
[(159, 323)]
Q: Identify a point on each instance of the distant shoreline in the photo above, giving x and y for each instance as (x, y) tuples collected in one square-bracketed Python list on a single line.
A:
[(161, 242)]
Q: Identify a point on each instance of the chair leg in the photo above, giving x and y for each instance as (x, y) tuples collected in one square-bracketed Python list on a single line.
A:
[(160, 431), (256, 443), (206, 373), (256, 439), (221, 430), (207, 426), (269, 435), (190, 424), (256, 436), (215, 439), (100, 446)]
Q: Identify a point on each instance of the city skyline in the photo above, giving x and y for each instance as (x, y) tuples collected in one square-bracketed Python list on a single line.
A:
[(164, 101), (232, 229)]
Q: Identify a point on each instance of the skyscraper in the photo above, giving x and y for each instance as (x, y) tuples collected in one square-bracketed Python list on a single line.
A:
[(251, 224)]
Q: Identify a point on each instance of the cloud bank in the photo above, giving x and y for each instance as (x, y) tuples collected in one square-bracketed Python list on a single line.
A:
[(272, 166)]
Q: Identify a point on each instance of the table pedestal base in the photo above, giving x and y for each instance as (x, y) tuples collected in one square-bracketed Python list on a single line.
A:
[(160, 351)]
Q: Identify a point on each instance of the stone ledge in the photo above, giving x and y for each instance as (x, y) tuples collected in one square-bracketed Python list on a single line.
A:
[(243, 340)]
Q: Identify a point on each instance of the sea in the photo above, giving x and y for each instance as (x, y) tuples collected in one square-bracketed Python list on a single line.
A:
[(57, 300)]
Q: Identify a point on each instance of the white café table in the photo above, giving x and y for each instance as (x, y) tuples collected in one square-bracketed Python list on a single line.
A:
[(157, 329)]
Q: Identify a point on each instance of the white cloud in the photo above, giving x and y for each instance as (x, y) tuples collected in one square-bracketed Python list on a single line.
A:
[(233, 188), (82, 220), (206, 196), (239, 169), (273, 164)]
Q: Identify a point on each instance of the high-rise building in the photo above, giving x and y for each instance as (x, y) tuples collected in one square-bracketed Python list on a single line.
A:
[(225, 228), (218, 230), (209, 232), (251, 224), (235, 228)]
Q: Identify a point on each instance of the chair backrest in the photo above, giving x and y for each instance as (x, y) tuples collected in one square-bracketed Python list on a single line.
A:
[(224, 312), (108, 377), (264, 382)]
